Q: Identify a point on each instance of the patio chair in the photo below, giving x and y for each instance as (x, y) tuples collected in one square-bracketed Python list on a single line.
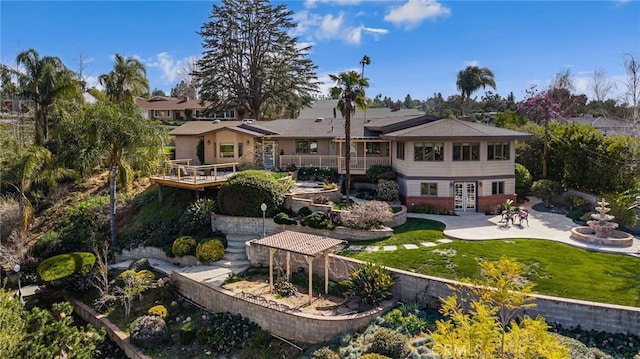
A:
[(523, 215)]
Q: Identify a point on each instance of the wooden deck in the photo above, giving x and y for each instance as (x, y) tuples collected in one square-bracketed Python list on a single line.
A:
[(180, 174)]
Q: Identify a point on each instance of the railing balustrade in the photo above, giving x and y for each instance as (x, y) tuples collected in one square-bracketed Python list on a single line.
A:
[(182, 168)]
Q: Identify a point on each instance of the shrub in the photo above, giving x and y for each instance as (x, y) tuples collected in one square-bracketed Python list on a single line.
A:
[(283, 218), (187, 331), (367, 215), (244, 192), (621, 206), (576, 201), (317, 173), (325, 353), (209, 251), (159, 310), (389, 343), (374, 356), (387, 190), (9, 217), (523, 179), (83, 225), (229, 331), (284, 287), (375, 170), (184, 246), (67, 269), (149, 331), (370, 282), (427, 208), (546, 190), (304, 211), (328, 186), (140, 264), (319, 220), (198, 215)]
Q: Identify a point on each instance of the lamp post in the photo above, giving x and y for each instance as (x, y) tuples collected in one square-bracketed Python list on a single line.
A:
[(16, 268), (263, 207)]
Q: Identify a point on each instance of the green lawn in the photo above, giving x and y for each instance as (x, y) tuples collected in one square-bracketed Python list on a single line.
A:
[(555, 268)]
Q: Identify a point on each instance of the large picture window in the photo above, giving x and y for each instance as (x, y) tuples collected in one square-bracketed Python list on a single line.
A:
[(428, 189), (227, 150), (466, 152), (306, 147), (423, 151), (498, 151)]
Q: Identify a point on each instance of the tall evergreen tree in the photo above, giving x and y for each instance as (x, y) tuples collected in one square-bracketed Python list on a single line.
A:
[(250, 59)]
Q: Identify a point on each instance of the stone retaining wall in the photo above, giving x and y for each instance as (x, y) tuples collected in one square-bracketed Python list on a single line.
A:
[(301, 327), (155, 252), (427, 290), (253, 226), (99, 321)]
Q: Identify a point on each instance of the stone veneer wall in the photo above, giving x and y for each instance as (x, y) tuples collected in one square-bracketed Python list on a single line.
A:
[(427, 290), (250, 225), (99, 321), (302, 327), (155, 252)]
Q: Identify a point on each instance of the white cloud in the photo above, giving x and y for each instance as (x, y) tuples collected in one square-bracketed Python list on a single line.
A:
[(311, 27), (471, 63), (312, 3), (413, 12), (171, 70), (330, 27)]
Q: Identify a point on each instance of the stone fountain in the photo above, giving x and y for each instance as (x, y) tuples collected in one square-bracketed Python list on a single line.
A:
[(601, 229)]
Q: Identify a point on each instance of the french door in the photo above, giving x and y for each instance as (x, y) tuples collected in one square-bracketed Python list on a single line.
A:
[(464, 196)]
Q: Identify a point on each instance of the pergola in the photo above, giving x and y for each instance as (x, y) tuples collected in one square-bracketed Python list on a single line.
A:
[(309, 245)]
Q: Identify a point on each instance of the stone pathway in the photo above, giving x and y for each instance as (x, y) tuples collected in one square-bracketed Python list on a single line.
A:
[(390, 248)]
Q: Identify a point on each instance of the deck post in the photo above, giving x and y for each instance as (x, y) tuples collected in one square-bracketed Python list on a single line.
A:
[(310, 263), (326, 272)]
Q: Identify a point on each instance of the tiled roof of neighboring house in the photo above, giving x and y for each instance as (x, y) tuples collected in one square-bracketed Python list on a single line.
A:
[(168, 103), (454, 128), (297, 242), (324, 109)]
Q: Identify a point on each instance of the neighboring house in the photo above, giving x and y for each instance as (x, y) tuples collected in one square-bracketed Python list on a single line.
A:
[(453, 164), (178, 109), (608, 126)]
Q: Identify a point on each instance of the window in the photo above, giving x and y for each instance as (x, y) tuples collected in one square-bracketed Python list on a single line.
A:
[(160, 113), (240, 151), (428, 151), (400, 150), (306, 146), (466, 151), (374, 148), (226, 150), (428, 189), (498, 151), (497, 187)]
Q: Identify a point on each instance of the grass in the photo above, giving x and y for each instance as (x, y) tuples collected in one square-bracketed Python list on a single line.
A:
[(556, 269)]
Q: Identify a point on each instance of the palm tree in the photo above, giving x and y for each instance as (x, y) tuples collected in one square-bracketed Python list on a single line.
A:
[(350, 90), (120, 139), (127, 80), (366, 60), (470, 80), (45, 80)]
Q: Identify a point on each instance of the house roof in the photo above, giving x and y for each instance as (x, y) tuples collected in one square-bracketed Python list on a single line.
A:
[(168, 103), (198, 128), (325, 109), (297, 242), (447, 129)]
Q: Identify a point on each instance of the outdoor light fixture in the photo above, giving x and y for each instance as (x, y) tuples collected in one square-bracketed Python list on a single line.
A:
[(263, 207), (16, 268)]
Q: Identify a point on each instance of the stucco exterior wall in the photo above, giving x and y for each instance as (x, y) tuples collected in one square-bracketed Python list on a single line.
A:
[(212, 142), (187, 148)]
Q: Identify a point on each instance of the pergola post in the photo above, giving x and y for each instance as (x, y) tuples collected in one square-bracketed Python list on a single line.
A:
[(310, 264), (326, 272), (271, 251)]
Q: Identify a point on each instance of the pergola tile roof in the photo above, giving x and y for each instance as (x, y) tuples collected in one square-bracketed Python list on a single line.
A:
[(296, 242)]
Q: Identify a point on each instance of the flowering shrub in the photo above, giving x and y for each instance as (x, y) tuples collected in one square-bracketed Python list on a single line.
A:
[(387, 190), (284, 288), (228, 331), (370, 282), (159, 310), (198, 215), (619, 344), (367, 215)]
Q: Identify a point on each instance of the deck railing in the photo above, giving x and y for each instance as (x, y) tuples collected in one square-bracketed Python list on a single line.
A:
[(309, 160), (182, 169), (363, 163)]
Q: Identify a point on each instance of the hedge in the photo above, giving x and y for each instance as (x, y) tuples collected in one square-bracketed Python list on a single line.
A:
[(66, 265)]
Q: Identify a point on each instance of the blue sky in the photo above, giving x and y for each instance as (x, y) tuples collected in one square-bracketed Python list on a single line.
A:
[(416, 47)]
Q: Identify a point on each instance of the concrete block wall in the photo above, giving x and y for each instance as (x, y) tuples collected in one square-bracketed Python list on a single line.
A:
[(301, 327), (427, 291)]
